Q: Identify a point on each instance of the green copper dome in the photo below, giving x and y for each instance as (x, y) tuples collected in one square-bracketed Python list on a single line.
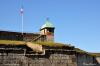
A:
[(48, 24)]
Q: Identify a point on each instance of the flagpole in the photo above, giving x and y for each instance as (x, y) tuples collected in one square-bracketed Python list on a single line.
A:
[(22, 16), (22, 23)]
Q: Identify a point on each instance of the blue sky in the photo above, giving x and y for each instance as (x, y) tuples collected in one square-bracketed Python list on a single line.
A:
[(77, 22)]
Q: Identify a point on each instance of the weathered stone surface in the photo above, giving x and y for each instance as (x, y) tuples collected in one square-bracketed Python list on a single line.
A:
[(11, 55), (35, 47), (21, 60)]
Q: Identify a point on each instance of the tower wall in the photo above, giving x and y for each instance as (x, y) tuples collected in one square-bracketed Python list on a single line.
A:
[(49, 32)]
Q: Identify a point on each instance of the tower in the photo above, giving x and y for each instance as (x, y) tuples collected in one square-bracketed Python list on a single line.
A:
[(48, 30)]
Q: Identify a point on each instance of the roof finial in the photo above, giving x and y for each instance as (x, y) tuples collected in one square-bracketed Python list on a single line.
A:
[(47, 24), (47, 18)]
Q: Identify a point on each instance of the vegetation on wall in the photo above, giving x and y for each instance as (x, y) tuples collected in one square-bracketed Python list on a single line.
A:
[(52, 44), (79, 50), (12, 42)]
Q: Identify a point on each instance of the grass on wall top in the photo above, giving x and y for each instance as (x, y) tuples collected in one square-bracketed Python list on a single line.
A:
[(79, 50), (52, 44), (12, 42)]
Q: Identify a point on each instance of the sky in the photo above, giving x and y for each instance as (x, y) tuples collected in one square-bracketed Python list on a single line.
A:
[(77, 22)]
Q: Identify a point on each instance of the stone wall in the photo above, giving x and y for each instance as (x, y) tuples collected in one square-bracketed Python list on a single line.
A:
[(10, 59), (7, 35), (21, 60), (84, 59), (98, 60), (24, 56)]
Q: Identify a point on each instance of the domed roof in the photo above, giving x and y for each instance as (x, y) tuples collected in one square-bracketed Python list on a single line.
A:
[(48, 24)]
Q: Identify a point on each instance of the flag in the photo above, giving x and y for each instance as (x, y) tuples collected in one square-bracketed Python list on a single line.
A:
[(21, 11)]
